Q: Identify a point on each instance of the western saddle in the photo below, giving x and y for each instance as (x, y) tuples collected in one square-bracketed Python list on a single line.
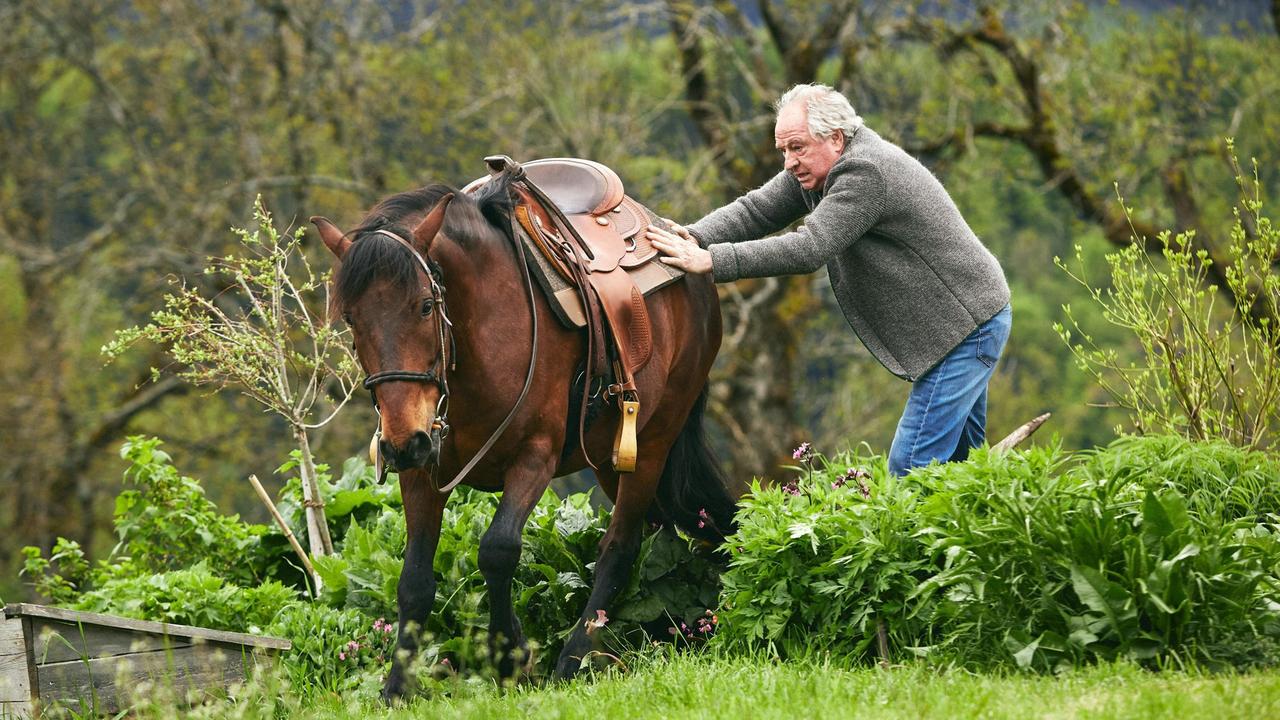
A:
[(592, 235)]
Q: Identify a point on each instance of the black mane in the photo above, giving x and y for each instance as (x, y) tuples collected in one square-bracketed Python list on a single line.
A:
[(373, 255)]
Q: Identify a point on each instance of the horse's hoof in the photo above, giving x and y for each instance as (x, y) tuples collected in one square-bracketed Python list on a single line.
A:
[(393, 695)]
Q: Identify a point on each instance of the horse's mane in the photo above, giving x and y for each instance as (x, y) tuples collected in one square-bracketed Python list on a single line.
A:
[(373, 255)]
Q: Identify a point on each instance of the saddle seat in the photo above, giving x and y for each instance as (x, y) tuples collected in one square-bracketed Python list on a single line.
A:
[(592, 197)]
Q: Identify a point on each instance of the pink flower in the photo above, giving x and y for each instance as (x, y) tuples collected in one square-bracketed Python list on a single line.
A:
[(600, 621), (342, 656), (802, 453)]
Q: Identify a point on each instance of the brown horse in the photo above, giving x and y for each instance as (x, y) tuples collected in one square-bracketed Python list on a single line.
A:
[(466, 353)]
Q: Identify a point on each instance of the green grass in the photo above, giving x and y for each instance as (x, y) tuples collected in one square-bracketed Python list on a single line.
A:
[(737, 688)]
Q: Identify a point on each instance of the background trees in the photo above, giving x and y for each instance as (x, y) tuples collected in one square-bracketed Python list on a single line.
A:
[(135, 132)]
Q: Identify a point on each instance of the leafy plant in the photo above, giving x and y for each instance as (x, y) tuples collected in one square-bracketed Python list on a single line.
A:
[(194, 596), (1152, 549), (274, 346), (322, 660), (1205, 371), (163, 522), (817, 565)]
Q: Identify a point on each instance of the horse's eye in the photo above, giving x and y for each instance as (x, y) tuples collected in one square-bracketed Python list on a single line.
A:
[(428, 305), (346, 318)]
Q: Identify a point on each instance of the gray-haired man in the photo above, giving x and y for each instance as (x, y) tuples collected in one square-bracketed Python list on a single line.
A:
[(917, 286)]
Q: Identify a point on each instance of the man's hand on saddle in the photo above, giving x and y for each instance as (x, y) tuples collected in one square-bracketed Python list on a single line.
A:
[(680, 249)]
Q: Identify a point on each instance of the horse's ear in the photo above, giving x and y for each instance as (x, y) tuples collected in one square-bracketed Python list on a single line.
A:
[(332, 236), (431, 224)]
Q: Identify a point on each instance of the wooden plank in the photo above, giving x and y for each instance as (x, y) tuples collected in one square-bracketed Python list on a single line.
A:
[(15, 685), (59, 641), (146, 626), (109, 684)]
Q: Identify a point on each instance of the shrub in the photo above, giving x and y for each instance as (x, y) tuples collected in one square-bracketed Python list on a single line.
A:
[(194, 596), (818, 563), (1038, 559), (1204, 371), (164, 523)]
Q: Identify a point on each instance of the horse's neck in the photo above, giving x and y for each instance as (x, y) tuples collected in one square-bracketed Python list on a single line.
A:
[(483, 290)]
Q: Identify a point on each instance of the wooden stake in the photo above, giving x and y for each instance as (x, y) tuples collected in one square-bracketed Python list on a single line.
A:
[(1022, 433), (284, 527)]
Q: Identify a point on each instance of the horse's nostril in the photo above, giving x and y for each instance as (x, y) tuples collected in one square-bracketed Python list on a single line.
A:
[(417, 452), (420, 443)]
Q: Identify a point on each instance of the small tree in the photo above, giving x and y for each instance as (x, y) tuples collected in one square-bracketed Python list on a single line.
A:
[(265, 335), (1208, 369)]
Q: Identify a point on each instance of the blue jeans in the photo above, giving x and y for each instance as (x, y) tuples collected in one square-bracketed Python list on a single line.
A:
[(946, 413)]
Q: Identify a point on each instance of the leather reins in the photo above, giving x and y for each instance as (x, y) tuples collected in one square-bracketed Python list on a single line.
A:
[(440, 425)]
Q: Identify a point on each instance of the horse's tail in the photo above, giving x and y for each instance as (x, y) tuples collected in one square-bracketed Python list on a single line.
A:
[(694, 493)]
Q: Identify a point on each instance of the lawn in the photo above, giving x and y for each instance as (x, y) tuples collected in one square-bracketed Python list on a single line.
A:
[(710, 687)]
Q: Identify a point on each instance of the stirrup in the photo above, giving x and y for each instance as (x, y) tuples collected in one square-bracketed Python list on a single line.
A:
[(624, 441)]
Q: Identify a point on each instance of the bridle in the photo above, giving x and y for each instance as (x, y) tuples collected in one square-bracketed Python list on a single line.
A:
[(438, 375)]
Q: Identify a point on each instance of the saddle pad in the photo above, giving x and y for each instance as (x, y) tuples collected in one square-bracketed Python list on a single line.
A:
[(649, 278)]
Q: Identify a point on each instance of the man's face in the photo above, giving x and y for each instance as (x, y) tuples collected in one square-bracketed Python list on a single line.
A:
[(807, 157)]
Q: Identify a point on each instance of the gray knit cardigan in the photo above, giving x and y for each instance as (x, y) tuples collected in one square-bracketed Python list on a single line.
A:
[(912, 278)]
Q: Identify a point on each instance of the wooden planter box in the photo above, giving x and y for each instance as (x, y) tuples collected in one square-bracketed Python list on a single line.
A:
[(87, 661)]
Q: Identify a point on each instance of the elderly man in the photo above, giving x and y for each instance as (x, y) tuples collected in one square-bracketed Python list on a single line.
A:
[(917, 286)]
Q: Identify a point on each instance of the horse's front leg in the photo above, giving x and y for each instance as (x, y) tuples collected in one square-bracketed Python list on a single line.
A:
[(423, 509), (618, 551), (499, 553)]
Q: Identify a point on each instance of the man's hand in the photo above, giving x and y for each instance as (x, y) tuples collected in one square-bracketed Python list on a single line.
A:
[(682, 252), (679, 229)]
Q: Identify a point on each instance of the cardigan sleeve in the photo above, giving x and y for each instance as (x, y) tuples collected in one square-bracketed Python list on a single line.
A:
[(767, 209), (852, 205)]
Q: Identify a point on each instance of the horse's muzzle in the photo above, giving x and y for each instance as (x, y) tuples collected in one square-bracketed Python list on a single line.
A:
[(420, 451)]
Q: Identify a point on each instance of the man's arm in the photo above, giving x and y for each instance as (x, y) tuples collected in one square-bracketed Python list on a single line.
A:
[(765, 210), (851, 207)]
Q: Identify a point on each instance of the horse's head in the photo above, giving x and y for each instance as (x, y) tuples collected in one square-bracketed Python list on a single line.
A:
[(391, 294)]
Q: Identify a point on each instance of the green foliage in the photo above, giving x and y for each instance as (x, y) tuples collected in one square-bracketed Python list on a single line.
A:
[(1205, 371), (356, 496), (163, 523), (817, 562), (673, 582), (167, 521), (1037, 559), (194, 596), (275, 347), (334, 650)]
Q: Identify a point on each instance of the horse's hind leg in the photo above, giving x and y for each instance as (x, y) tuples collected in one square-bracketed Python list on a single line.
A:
[(416, 593), (500, 553), (618, 551)]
